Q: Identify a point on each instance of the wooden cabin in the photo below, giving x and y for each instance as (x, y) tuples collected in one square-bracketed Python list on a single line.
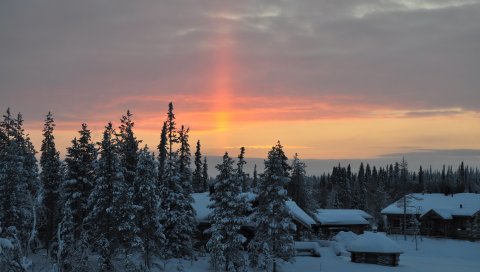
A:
[(374, 248), (436, 215), (332, 221), (302, 222)]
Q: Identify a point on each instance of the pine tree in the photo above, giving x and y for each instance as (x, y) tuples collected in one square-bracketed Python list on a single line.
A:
[(296, 186), (102, 219), (127, 148), (205, 175), (162, 154), (240, 173), (81, 160), (255, 178), (50, 176), (150, 229), (66, 240), (18, 181), (178, 218), (273, 239), (403, 167), (184, 158), (226, 242), (197, 179)]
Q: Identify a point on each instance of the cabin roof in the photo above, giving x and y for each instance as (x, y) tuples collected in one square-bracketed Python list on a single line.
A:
[(336, 217), (446, 206), (371, 242), (202, 201)]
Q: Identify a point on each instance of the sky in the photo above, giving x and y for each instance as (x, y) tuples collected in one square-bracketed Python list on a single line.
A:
[(346, 79)]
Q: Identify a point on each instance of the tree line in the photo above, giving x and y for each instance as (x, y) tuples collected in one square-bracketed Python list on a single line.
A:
[(116, 198)]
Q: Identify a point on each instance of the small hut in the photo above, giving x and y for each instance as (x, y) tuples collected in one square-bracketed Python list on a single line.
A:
[(374, 248)]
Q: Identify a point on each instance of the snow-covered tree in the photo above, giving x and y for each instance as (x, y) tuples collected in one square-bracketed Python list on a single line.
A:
[(226, 242), (19, 184), (11, 256), (162, 153), (124, 195), (241, 176), (197, 179), (178, 218), (66, 240), (127, 145), (81, 160), (148, 215), (51, 178), (296, 187), (102, 221), (184, 158), (273, 221)]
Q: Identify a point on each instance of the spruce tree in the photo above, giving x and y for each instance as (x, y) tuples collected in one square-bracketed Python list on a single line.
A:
[(150, 229), (18, 183), (241, 176), (205, 175), (127, 148), (197, 179), (226, 243), (184, 158), (296, 186), (255, 179), (51, 178), (162, 153), (178, 218), (273, 239), (102, 219), (81, 160), (66, 240)]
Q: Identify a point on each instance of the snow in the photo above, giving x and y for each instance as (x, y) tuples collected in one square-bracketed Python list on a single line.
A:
[(433, 255), (346, 211), (299, 214), (373, 243), (443, 213), (340, 219), (464, 204), (201, 201), (332, 217), (313, 247)]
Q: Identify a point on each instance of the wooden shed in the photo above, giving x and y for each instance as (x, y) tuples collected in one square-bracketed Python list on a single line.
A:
[(374, 248)]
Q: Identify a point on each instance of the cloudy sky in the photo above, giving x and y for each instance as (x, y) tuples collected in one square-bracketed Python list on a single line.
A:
[(330, 79)]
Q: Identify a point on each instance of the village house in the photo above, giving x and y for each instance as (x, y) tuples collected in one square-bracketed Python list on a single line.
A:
[(440, 215), (332, 221), (302, 222)]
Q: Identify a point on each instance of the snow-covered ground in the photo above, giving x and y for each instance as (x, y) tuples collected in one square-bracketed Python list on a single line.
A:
[(435, 255)]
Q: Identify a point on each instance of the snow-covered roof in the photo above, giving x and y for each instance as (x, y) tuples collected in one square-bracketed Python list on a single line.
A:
[(374, 243), (340, 219), (446, 206), (335, 217), (346, 211), (201, 201), (299, 214)]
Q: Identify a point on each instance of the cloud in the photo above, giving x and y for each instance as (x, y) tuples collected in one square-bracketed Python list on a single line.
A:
[(456, 153), (368, 9), (283, 60)]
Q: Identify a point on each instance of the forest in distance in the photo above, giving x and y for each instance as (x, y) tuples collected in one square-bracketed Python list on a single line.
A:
[(119, 197)]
